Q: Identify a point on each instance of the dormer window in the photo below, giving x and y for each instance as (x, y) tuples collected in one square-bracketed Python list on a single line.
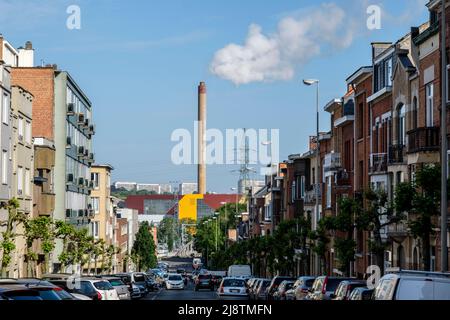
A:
[(383, 74)]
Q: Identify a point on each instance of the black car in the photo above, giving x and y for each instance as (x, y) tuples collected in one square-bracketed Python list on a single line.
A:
[(14, 292), (204, 281), (273, 287), (85, 288)]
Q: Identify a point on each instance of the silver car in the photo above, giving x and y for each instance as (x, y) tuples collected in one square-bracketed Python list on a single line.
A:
[(121, 288)]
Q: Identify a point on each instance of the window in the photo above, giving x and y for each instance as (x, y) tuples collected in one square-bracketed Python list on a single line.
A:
[(96, 179), (5, 109), (414, 114), (95, 204), (5, 167), (19, 181), (302, 187), (27, 183), (20, 128), (95, 228), (293, 192), (28, 132), (389, 72), (401, 124), (429, 104), (360, 119), (329, 192)]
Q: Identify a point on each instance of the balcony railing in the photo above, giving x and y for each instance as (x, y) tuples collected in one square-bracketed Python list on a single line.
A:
[(378, 162), (343, 178), (423, 139), (397, 153), (332, 162), (310, 194)]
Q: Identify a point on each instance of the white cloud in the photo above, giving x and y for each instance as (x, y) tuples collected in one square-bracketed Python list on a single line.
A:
[(276, 56)]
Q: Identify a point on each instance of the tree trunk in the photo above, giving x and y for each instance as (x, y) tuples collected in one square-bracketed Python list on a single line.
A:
[(426, 252)]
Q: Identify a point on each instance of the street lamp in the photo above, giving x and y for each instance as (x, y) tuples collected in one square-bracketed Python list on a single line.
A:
[(310, 82)]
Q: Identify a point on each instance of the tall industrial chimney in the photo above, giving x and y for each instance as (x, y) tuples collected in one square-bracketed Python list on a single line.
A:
[(201, 178)]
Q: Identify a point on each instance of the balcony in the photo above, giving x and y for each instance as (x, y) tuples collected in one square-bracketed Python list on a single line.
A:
[(46, 204), (378, 162), (332, 162), (398, 232), (310, 194), (343, 178), (423, 139), (91, 130), (397, 154)]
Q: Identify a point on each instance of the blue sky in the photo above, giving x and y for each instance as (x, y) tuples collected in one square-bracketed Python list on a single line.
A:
[(140, 63)]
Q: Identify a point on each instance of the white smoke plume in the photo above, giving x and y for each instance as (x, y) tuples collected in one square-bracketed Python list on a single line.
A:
[(265, 58)]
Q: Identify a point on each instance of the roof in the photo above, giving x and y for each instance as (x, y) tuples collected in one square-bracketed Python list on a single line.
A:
[(214, 201)]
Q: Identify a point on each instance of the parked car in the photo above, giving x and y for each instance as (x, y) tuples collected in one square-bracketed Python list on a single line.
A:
[(324, 287), (304, 284), (121, 288), (346, 287), (136, 291), (252, 288), (273, 287), (260, 291), (280, 293), (361, 293), (15, 292), (47, 290), (94, 288), (413, 285), (204, 281), (174, 281), (232, 287), (217, 280)]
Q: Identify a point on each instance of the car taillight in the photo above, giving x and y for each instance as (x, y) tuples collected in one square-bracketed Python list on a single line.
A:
[(99, 296), (57, 289)]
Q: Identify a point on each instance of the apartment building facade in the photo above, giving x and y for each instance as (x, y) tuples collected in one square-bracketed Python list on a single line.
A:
[(101, 206)]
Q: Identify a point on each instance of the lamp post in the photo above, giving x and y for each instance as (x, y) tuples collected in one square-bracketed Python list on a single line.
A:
[(444, 143), (310, 82)]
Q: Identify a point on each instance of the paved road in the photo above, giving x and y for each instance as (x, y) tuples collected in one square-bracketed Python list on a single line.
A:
[(186, 294)]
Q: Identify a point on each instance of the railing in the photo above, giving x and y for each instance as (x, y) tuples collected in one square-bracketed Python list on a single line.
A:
[(378, 162), (397, 153), (343, 178), (332, 162), (310, 194), (423, 139)]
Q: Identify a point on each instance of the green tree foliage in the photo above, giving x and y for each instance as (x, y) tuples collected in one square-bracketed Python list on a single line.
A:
[(169, 232), (421, 199), (143, 251), (7, 244)]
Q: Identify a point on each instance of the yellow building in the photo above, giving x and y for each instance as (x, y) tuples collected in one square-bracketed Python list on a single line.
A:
[(103, 220)]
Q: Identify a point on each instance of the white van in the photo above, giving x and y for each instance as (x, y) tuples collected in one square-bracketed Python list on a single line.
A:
[(413, 285), (239, 271)]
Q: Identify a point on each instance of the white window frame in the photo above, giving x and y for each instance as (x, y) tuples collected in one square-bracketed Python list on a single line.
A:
[(27, 182), (429, 98), (5, 167), (5, 108), (20, 181), (28, 138), (20, 128)]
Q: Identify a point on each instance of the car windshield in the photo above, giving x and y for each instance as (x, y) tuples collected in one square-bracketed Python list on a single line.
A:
[(116, 282), (175, 278), (103, 285), (233, 283), (309, 282)]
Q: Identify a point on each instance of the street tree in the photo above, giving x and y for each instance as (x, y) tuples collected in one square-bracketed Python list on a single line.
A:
[(144, 249)]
